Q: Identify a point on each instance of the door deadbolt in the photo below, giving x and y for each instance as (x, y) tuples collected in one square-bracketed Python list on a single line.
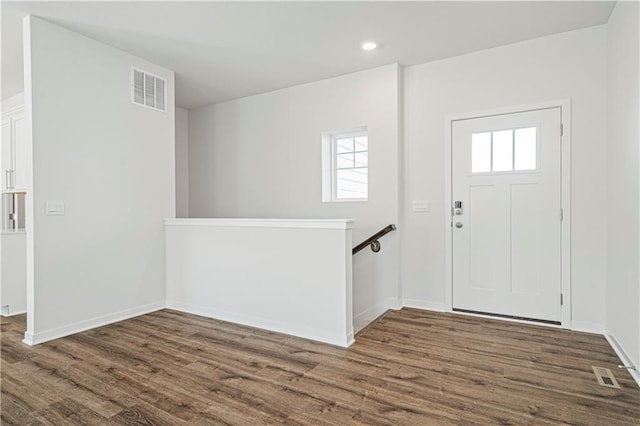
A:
[(457, 208)]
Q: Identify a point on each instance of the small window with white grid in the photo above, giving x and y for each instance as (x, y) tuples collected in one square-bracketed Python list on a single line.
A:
[(350, 166)]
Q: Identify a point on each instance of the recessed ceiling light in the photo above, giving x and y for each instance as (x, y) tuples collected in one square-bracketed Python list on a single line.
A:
[(369, 45)]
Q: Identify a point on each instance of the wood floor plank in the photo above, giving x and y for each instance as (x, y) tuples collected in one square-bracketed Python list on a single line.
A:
[(410, 367), (13, 410), (143, 414), (70, 412)]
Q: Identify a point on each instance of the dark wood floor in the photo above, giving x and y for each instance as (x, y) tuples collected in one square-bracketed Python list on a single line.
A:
[(410, 367)]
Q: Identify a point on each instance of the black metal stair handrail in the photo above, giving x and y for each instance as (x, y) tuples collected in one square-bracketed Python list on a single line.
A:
[(373, 240)]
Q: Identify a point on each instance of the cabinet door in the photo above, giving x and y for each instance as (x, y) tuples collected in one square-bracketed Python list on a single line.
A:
[(6, 152), (20, 151)]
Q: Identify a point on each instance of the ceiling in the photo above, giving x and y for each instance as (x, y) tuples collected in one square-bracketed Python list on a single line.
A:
[(227, 50)]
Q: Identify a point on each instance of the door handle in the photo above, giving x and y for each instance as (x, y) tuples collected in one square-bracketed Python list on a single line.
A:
[(458, 225)]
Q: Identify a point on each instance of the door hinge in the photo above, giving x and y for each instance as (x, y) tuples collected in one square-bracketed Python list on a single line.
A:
[(561, 299), (561, 215), (561, 129)]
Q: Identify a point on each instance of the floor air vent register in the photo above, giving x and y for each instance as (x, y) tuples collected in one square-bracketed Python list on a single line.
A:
[(605, 377)]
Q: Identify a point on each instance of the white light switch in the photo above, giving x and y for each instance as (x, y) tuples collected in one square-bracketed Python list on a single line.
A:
[(420, 206), (54, 208)]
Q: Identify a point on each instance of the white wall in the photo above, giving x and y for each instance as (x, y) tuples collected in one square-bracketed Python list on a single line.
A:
[(112, 163), (568, 65), (264, 273), (182, 162), (623, 181), (261, 157)]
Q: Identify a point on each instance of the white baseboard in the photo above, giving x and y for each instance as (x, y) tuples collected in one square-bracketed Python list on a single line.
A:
[(395, 303), (13, 313), (622, 354), (363, 319), (587, 327), (424, 304), (66, 330), (337, 339)]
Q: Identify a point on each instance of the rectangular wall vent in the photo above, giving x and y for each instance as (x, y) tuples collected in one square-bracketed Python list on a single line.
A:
[(148, 90), (605, 377)]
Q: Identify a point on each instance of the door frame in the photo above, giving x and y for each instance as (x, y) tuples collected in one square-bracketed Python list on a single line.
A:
[(565, 165)]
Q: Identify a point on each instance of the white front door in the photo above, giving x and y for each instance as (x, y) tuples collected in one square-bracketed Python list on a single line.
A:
[(506, 177)]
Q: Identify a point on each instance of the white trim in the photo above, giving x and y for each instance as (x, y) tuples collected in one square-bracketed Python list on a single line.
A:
[(448, 219), (12, 111), (587, 327), (265, 223), (66, 330), (557, 103), (28, 201), (425, 305), (366, 317), (565, 120), (372, 313), (10, 314), (622, 354), (13, 191), (12, 103), (342, 340), (394, 303), (512, 320)]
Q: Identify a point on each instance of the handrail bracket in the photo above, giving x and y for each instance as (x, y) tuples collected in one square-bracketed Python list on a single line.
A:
[(372, 241)]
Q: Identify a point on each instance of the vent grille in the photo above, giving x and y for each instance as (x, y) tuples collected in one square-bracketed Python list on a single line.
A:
[(148, 90), (605, 377)]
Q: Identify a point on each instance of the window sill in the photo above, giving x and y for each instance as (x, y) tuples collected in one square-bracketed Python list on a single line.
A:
[(348, 200)]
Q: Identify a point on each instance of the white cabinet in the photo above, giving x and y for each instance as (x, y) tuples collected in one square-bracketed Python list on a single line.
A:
[(13, 155), (13, 186)]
